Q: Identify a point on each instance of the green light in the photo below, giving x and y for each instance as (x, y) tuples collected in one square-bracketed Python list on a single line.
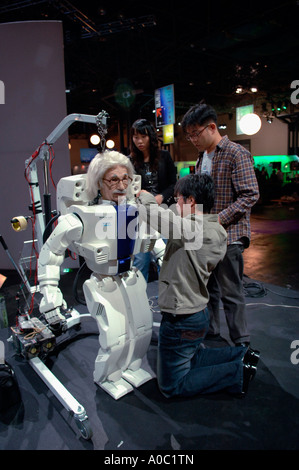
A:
[(184, 172), (268, 160), (184, 167)]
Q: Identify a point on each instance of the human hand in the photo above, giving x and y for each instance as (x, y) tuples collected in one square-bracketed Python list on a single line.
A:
[(159, 199), (142, 191)]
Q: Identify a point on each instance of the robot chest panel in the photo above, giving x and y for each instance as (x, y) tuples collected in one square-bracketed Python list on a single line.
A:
[(109, 232), (99, 223)]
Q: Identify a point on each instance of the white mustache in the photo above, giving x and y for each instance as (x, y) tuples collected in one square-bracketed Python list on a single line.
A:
[(120, 191)]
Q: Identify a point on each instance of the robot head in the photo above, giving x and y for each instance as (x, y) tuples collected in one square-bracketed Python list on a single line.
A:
[(101, 165), (83, 189)]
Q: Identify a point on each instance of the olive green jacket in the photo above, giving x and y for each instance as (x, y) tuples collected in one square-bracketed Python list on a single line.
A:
[(196, 244)]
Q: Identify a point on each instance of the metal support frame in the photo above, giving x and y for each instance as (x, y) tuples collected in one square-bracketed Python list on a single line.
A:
[(69, 402), (35, 196), (58, 389), (63, 395)]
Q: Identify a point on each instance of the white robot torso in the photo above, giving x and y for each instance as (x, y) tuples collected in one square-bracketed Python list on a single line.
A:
[(110, 237), (107, 237)]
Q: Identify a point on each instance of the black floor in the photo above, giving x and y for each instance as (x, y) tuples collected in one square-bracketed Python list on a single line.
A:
[(267, 419)]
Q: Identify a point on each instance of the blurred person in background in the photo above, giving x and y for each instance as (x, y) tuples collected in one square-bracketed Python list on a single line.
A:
[(157, 171)]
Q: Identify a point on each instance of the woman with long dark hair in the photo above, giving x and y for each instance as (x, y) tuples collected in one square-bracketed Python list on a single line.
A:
[(157, 170)]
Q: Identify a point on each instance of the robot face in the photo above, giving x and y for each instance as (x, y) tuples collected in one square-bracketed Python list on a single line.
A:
[(115, 183)]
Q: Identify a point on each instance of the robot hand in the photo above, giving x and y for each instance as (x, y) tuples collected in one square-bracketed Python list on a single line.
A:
[(159, 250), (51, 306)]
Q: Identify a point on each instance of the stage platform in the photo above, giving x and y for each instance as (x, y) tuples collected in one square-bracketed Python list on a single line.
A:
[(143, 420)]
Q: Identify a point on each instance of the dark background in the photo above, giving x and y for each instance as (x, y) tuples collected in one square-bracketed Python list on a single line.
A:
[(118, 53)]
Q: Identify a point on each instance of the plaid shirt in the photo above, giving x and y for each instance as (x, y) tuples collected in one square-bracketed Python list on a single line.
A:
[(236, 188)]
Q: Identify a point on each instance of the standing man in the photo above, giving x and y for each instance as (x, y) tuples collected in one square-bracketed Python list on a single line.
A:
[(236, 191)]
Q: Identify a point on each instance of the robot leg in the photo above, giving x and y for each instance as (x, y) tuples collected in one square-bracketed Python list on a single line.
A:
[(141, 321), (106, 304)]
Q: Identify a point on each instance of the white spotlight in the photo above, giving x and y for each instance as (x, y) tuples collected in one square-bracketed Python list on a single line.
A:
[(250, 124), (94, 139), (110, 144)]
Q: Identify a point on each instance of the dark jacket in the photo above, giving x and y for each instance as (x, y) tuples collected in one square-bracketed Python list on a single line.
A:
[(167, 176)]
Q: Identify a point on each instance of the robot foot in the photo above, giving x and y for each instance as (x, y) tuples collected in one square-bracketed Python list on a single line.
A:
[(116, 389), (137, 377)]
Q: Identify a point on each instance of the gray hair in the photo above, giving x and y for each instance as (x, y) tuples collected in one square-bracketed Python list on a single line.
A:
[(101, 163)]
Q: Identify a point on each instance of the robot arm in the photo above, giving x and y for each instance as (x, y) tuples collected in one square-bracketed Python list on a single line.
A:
[(159, 250), (68, 230)]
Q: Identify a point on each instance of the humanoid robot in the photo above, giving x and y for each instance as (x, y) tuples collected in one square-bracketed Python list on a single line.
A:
[(99, 221)]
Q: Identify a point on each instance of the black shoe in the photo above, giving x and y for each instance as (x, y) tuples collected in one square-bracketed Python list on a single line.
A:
[(251, 357), (249, 372), (213, 336), (245, 344)]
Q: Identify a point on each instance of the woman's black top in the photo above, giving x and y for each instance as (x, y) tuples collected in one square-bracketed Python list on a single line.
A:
[(161, 181)]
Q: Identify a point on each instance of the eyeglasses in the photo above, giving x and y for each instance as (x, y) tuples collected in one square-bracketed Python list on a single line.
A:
[(195, 135), (114, 181), (176, 199)]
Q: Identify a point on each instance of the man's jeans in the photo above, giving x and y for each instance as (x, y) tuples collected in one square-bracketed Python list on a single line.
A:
[(142, 261), (186, 368)]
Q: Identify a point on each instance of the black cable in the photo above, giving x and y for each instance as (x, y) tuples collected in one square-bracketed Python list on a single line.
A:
[(75, 285), (254, 289), (47, 232), (282, 295)]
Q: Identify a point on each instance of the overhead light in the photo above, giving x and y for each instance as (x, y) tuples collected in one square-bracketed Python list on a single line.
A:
[(240, 90), (110, 144), (250, 124), (95, 139)]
